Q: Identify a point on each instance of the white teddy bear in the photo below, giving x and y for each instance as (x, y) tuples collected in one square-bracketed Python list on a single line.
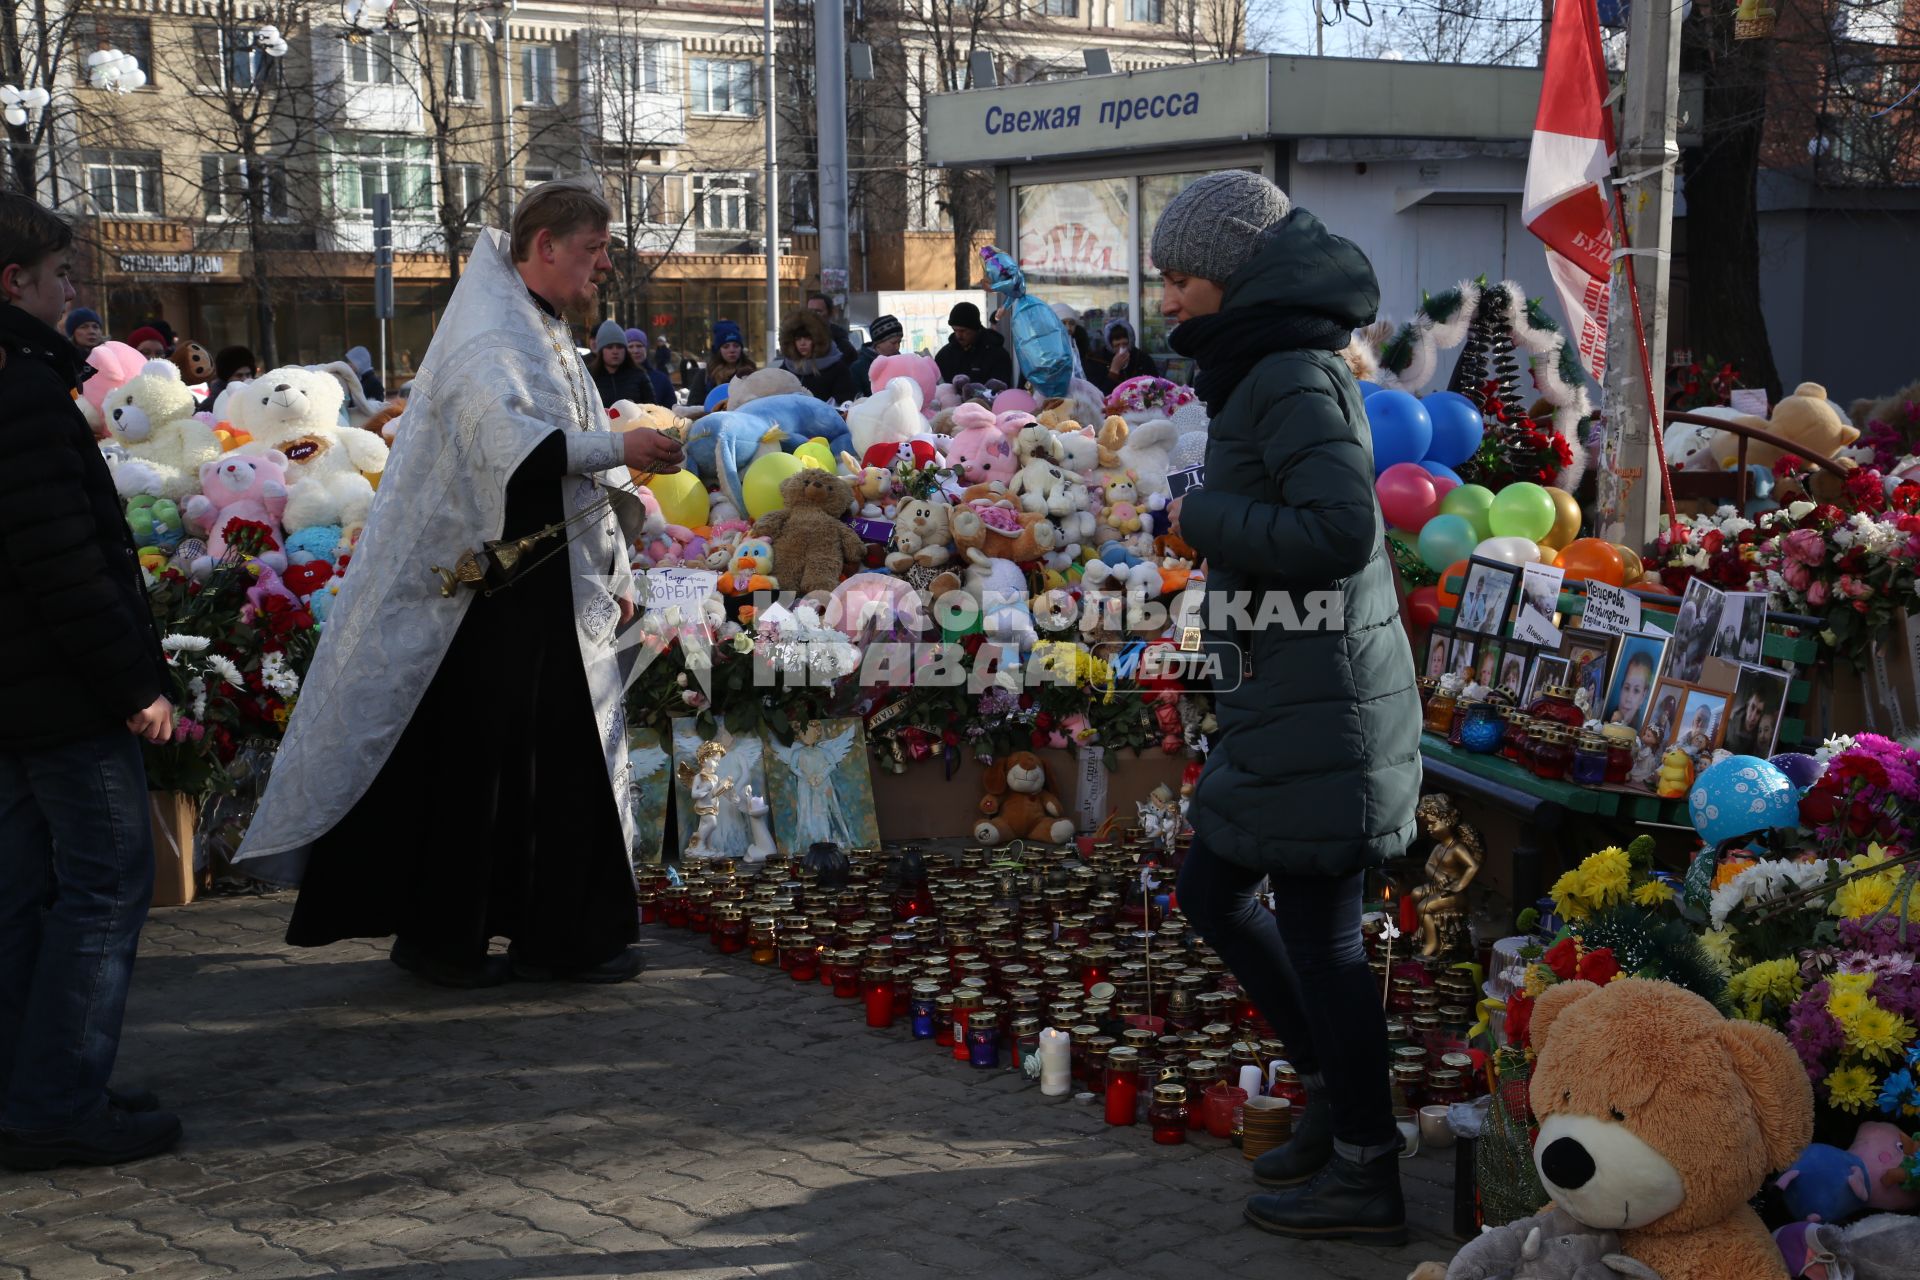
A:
[(889, 416), (295, 411), (923, 534), (160, 445), (1148, 453)]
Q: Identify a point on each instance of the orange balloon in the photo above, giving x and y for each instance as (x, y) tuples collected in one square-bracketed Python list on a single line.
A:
[(1634, 569), (1450, 599), (1593, 558)]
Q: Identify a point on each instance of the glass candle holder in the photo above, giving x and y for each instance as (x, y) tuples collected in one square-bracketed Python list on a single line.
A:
[(1619, 740), (1483, 728), (876, 991), (1084, 1035), (1438, 717), (846, 975), (924, 1008), (1552, 752), (1167, 1114), (1589, 760), (761, 940), (1462, 711), (943, 1019), (983, 1045), (729, 930), (966, 1004), (1123, 1086), (649, 902), (801, 958), (673, 907), (700, 910), (1557, 704), (1514, 745), (1025, 1043)]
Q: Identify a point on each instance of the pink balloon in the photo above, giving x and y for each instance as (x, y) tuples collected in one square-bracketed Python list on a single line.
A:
[(1444, 485), (114, 365), (1015, 400), (1407, 495)]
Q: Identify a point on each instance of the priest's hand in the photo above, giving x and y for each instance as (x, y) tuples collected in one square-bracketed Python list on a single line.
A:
[(626, 610), (655, 452), (155, 724)]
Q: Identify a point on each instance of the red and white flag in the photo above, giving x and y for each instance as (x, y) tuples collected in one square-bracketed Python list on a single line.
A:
[(1565, 202)]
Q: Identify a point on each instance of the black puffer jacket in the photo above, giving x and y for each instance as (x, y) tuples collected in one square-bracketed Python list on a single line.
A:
[(629, 382), (1316, 768), (79, 652)]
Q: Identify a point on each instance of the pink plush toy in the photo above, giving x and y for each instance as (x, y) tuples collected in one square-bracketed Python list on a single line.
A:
[(1885, 1148), (921, 369), (1015, 400), (114, 365), (982, 447), (266, 588), (241, 487)]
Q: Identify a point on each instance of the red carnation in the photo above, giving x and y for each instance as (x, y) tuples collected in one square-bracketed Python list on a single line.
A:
[(1519, 1020), (1599, 967)]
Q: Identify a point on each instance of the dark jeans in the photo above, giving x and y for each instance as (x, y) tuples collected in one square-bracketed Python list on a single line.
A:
[(1304, 968), (76, 875)]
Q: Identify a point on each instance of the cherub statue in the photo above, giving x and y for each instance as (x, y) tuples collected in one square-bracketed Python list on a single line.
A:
[(1160, 815), (1452, 866), (754, 808), (708, 788)]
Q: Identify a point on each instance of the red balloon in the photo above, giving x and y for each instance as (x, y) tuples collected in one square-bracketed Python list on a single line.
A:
[(1423, 607), (1594, 558), (1407, 496), (1450, 599), (1444, 485)]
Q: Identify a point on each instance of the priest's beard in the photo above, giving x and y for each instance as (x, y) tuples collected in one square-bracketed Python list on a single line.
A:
[(584, 308)]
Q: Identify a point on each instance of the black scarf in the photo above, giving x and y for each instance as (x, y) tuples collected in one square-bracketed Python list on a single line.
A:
[(1227, 344)]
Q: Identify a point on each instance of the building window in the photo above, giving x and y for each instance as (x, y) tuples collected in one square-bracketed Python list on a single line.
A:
[(1153, 11), (377, 58), (721, 88), (223, 187), (231, 60), (125, 183), (463, 72), (469, 189), (721, 201), (128, 35), (539, 75), (1060, 8), (801, 213), (642, 199), (364, 165), (629, 65), (532, 177)]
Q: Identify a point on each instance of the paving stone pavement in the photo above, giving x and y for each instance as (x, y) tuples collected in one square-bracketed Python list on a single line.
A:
[(712, 1119)]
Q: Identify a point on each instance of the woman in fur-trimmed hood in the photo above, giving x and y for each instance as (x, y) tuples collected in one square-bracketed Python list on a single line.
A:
[(807, 351)]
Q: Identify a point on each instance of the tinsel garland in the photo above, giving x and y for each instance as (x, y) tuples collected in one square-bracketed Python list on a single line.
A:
[(1514, 322)]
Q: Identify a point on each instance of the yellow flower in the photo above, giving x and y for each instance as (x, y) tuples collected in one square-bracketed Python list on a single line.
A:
[(742, 643), (1653, 893), (1539, 978), (1857, 899), (1878, 1033), (1860, 982), (1607, 874), (1852, 1088), (1718, 944), (1778, 981), (1570, 894), (1845, 1006)]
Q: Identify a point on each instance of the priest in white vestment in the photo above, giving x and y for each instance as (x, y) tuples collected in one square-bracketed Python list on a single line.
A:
[(455, 769)]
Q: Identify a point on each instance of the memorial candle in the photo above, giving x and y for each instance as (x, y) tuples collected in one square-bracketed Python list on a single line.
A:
[(1056, 1062)]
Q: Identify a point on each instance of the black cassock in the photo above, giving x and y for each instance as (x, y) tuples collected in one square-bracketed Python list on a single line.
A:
[(493, 816)]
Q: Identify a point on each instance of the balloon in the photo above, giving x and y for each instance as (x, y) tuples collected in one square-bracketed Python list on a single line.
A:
[(1015, 400), (1423, 607), (716, 397), (761, 485), (1633, 570), (815, 453), (1369, 388), (1441, 471), (1802, 770), (1401, 432), (1039, 338), (1457, 427), (1451, 599), (1593, 558), (682, 498), (1740, 796), (1521, 510), (1407, 496), (1547, 554), (1566, 518), (1446, 538), (1472, 502), (1512, 550)]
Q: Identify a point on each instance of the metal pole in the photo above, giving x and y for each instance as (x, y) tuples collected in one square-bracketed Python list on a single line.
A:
[(502, 115), (1629, 490), (508, 186), (830, 112), (770, 201)]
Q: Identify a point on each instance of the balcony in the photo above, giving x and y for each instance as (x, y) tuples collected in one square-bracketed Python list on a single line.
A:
[(637, 120)]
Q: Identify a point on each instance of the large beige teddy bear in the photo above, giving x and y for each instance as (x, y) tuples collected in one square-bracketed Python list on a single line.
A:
[(155, 444), (297, 411)]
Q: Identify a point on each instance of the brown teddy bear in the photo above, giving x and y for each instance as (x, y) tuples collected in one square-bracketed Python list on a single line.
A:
[(1660, 1119), (812, 548), (973, 532), (1808, 419), (1020, 803)]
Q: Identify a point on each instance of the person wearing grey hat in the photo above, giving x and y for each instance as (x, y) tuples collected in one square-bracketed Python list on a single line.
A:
[(883, 339), (613, 368), (1312, 779)]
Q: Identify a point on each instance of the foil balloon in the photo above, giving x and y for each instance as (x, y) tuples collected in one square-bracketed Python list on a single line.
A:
[(1739, 796), (1039, 339), (1632, 568)]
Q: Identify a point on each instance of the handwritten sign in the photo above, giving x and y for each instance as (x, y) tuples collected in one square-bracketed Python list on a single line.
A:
[(684, 587), (1090, 795), (1751, 400), (1611, 608)]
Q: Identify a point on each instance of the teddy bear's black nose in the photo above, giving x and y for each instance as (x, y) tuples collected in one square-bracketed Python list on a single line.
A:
[(1566, 1164)]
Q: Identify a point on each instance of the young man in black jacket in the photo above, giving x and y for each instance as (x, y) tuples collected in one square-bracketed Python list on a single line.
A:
[(82, 681)]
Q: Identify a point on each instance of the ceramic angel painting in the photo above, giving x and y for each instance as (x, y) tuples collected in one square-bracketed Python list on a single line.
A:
[(729, 797), (822, 791), (647, 780)]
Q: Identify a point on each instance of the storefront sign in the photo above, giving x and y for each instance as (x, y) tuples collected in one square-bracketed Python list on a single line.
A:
[(171, 264)]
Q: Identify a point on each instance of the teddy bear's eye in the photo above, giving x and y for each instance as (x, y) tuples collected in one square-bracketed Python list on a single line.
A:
[(1617, 1114), (1566, 1095)]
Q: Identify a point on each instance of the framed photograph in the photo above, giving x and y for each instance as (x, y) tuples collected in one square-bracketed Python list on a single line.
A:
[(1538, 620), (1461, 656), (1699, 716), (1486, 670), (1439, 646), (1549, 669), (1636, 665), (1743, 627), (1695, 627), (1513, 671), (1486, 597), (1759, 700), (1588, 655)]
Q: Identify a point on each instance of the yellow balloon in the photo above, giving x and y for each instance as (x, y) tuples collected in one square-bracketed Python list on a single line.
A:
[(815, 453), (1566, 520), (761, 485), (1548, 553), (682, 498), (1632, 570)]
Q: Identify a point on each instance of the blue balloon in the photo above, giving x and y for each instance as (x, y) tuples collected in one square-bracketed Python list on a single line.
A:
[(715, 396), (1441, 470), (1369, 389), (1457, 427), (1802, 770), (1039, 338), (1740, 796), (1401, 429)]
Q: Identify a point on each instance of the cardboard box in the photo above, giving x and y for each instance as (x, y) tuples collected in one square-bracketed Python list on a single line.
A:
[(924, 804), (174, 815)]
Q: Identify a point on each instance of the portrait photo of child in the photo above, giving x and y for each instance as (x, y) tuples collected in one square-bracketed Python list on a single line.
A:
[(1634, 670)]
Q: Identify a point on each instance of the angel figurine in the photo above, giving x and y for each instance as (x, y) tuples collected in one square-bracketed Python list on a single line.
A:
[(1452, 866), (813, 757), (1160, 816), (761, 846), (703, 781)]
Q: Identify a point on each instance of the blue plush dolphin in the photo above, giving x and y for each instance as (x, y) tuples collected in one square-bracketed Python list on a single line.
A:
[(803, 417), (721, 445)]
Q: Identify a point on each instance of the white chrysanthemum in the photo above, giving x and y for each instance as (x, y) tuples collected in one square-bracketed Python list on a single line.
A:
[(1800, 510), (278, 676), (222, 666), (197, 687), (182, 643), (1833, 746), (1763, 882)]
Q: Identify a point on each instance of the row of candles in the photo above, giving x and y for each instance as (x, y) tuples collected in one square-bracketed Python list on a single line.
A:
[(1045, 960), (1547, 738)]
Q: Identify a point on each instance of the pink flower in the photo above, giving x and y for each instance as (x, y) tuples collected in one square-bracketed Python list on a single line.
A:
[(1855, 588), (1798, 576), (1806, 546), (1816, 593)]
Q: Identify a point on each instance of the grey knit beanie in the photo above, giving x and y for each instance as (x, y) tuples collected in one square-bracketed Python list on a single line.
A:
[(609, 334), (1211, 229)]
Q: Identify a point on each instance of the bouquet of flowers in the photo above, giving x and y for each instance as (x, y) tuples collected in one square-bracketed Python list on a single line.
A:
[(1853, 568), (1699, 384)]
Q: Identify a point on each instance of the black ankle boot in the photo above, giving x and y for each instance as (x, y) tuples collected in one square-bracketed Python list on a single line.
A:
[(1306, 1153), (1348, 1201)]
